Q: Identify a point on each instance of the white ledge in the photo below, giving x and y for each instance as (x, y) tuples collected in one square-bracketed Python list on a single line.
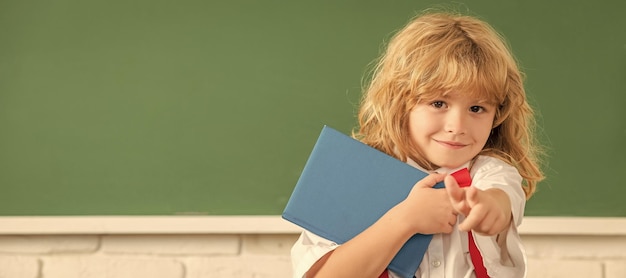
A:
[(270, 224)]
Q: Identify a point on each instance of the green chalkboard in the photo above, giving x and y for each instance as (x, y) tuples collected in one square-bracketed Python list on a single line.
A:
[(212, 107)]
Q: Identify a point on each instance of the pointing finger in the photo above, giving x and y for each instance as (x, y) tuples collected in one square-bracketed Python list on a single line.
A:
[(472, 196)]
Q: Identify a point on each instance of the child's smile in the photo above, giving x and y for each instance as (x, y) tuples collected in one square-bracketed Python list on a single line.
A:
[(451, 144)]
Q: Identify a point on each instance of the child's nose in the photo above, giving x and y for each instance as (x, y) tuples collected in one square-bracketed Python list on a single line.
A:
[(455, 122)]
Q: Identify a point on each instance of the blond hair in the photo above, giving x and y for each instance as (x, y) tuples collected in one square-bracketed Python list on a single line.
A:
[(436, 53)]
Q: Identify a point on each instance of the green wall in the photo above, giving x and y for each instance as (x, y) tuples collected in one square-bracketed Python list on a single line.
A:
[(192, 107)]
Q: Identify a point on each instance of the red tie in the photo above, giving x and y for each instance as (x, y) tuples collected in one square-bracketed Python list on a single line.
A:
[(464, 179)]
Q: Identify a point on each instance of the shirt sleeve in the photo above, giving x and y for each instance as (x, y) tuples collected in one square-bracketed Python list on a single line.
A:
[(307, 250), (503, 254)]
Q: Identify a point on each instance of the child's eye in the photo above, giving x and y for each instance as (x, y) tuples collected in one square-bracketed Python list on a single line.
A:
[(477, 109), (438, 104)]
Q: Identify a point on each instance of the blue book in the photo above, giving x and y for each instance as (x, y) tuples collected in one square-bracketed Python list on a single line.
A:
[(346, 186)]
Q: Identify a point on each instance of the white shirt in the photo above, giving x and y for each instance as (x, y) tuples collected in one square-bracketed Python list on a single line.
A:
[(448, 254)]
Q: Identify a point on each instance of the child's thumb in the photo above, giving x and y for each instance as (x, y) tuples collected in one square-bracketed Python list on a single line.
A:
[(454, 191)]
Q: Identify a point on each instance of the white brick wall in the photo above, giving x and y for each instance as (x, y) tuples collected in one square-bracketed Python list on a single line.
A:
[(253, 256), (19, 266), (150, 256), (254, 247), (576, 256)]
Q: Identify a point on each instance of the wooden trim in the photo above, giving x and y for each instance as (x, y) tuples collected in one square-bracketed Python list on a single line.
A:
[(266, 224)]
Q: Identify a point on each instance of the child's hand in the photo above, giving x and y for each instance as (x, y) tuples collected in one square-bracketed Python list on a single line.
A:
[(428, 210), (487, 212)]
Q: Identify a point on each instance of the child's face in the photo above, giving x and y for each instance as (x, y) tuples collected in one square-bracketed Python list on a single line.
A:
[(451, 130)]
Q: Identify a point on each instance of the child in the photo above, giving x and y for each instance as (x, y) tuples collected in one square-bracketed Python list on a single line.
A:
[(447, 94)]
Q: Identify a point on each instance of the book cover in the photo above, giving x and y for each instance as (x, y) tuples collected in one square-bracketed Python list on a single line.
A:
[(346, 186)]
